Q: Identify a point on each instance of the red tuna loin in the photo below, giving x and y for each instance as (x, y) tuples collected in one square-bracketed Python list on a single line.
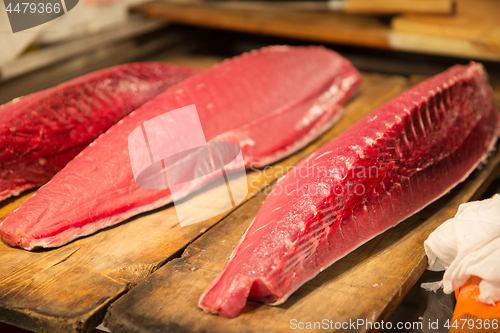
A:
[(391, 164), (41, 132), (270, 102)]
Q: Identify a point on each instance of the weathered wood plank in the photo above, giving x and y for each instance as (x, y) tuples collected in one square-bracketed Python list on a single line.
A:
[(472, 32), (367, 285), (398, 6), (332, 27), (69, 288), (56, 54)]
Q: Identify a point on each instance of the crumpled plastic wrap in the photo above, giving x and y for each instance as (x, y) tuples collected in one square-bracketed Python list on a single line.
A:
[(469, 244)]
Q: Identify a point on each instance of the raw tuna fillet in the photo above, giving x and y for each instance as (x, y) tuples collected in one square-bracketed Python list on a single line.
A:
[(270, 102), (41, 132), (391, 164)]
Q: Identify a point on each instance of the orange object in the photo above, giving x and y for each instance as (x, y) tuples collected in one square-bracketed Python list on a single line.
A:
[(471, 315)]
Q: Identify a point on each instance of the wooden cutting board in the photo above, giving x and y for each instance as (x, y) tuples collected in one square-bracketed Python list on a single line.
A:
[(70, 288), (473, 32)]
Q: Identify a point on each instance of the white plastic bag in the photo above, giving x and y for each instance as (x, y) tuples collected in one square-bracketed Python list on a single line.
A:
[(469, 244)]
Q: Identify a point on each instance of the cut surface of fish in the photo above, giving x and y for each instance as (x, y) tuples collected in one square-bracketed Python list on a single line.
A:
[(391, 164)]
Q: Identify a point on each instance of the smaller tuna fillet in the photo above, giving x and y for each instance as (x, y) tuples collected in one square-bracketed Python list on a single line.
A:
[(391, 164), (269, 102), (41, 132)]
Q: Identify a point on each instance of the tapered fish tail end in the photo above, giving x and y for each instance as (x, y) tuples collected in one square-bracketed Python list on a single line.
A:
[(226, 298), (228, 294)]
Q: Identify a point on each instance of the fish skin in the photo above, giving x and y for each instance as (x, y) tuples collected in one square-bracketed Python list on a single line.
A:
[(43, 131), (420, 152), (235, 103)]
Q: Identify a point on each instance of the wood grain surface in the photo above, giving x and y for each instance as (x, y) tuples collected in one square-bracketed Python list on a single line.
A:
[(473, 31), (320, 26), (68, 289), (399, 6)]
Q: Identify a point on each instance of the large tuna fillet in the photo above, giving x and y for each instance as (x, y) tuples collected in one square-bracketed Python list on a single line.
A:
[(391, 164), (270, 102), (41, 132)]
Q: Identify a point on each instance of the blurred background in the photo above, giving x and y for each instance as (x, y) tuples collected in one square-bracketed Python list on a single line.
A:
[(405, 37)]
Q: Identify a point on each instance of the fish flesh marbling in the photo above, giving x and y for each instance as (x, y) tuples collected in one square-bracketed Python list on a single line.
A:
[(389, 165)]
